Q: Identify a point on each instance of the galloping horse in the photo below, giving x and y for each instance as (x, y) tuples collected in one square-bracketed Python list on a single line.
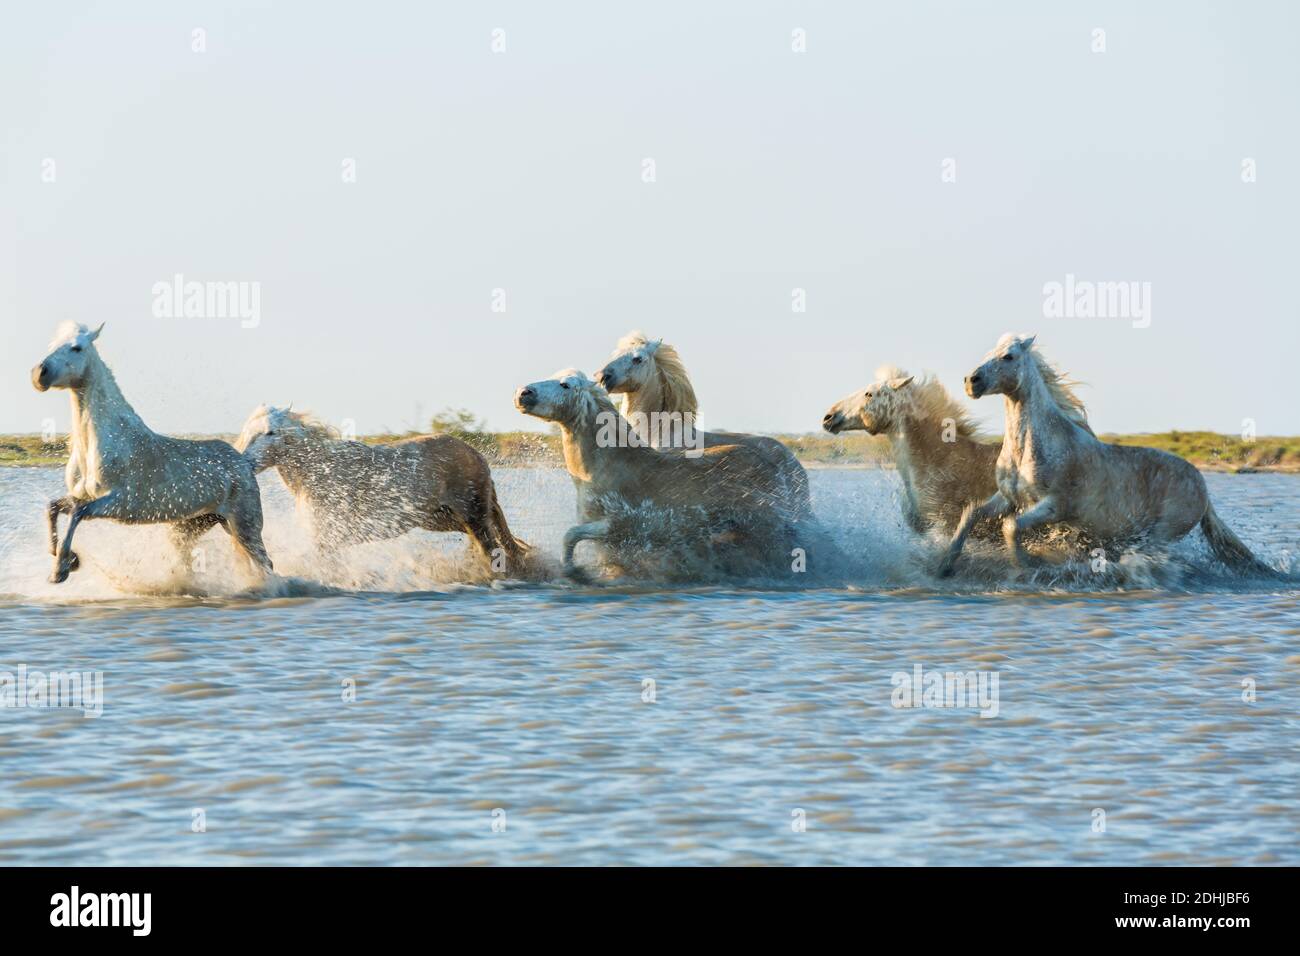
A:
[(119, 469), (942, 463), (735, 492), (653, 382), (356, 492), (1053, 469)]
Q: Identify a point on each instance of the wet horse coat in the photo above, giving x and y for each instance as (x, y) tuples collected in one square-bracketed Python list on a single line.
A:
[(118, 468), (356, 492)]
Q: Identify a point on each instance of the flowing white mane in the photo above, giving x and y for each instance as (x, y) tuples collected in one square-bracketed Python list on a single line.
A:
[(675, 386), (931, 400), (597, 399), (66, 332), (311, 426), (1059, 385)]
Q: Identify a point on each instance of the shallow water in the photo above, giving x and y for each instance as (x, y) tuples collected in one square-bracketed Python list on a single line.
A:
[(526, 705)]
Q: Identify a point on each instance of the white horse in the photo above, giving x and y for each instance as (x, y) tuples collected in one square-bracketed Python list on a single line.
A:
[(119, 469), (659, 402), (1053, 469)]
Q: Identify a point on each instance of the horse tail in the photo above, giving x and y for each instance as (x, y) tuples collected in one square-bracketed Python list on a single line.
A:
[(1229, 549)]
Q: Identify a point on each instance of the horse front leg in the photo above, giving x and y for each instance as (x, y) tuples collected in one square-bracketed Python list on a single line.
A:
[(65, 561), (55, 508), (591, 531), (995, 507), (1013, 529)]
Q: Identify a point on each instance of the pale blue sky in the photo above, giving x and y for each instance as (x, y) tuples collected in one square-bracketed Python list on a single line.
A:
[(775, 170)]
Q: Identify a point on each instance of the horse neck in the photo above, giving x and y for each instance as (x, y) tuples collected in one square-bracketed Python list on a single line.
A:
[(584, 456), (1031, 407), (647, 399), (101, 412), (919, 438)]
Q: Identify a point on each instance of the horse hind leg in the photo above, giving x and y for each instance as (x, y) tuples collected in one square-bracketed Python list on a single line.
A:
[(245, 527), (483, 533), (485, 524), (507, 552), (186, 532)]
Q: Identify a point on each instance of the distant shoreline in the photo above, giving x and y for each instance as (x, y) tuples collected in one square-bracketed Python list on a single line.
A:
[(1208, 451)]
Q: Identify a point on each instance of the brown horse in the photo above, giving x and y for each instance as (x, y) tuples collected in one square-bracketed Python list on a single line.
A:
[(944, 466), (356, 492)]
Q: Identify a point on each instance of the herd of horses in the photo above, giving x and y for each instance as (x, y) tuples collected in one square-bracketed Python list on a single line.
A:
[(735, 500)]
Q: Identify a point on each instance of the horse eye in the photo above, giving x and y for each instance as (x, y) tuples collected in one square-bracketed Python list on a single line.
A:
[(636, 360), (1006, 358), (564, 385), (76, 348)]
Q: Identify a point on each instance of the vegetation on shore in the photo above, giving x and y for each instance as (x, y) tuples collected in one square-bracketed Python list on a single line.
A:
[(1207, 450)]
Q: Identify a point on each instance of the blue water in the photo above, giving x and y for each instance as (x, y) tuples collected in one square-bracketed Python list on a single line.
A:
[(513, 723)]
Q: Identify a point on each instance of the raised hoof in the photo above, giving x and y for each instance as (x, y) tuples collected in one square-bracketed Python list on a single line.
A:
[(946, 569), (74, 562)]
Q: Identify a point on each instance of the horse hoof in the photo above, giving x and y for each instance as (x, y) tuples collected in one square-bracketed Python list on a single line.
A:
[(577, 575), (74, 562), (946, 569), (60, 574)]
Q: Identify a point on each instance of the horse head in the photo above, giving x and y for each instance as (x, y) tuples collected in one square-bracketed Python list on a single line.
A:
[(268, 435), (1004, 367), (72, 354), (873, 409), (566, 398), (631, 366)]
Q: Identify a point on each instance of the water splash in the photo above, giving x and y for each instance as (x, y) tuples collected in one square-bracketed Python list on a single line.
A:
[(861, 543)]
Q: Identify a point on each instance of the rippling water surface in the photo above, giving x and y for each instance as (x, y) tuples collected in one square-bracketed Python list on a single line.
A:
[(527, 705)]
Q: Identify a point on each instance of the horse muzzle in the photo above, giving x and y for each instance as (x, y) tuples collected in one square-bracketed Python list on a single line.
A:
[(975, 386), (525, 399), (40, 378), (833, 422)]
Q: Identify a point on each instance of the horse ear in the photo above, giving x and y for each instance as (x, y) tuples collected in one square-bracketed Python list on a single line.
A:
[(654, 346), (898, 383), (95, 334), (1027, 342)]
